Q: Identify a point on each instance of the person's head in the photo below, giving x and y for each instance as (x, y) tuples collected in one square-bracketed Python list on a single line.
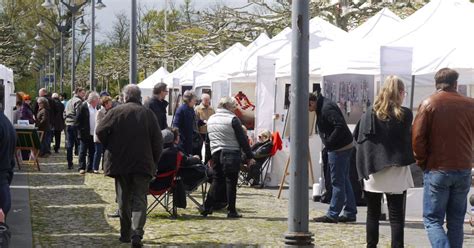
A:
[(42, 102), (80, 92), (446, 79), (313, 100), (189, 98), (206, 100), (55, 96), (42, 92), (160, 90), (27, 99), (170, 136), (227, 103), (19, 98), (264, 135), (106, 102), (389, 101), (93, 99), (62, 96), (131, 93)]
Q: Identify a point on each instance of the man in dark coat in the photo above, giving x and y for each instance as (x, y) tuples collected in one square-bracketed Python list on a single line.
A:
[(85, 124), (133, 144), (58, 122), (185, 121), (158, 104), (7, 161), (337, 138)]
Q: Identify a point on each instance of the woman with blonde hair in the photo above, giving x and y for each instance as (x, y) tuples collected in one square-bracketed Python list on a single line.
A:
[(384, 151)]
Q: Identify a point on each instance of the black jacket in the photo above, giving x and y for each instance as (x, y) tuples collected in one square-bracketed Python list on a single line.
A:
[(261, 151), (7, 150), (82, 121), (382, 143), (332, 127), (185, 121), (58, 123), (132, 140), (159, 108)]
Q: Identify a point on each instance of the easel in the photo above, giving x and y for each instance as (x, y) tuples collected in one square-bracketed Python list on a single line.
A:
[(28, 139), (310, 170), (310, 163)]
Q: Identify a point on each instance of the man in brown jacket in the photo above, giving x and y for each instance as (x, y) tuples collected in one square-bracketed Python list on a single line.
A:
[(133, 143), (443, 135), (203, 112)]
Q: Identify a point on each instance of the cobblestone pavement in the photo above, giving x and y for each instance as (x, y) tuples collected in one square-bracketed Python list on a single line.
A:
[(70, 210)]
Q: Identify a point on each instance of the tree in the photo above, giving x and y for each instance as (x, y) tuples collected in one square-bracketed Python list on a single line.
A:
[(119, 36)]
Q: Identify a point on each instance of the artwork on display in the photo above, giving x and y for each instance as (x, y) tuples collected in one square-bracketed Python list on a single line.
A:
[(352, 93), (185, 88), (316, 88), (244, 94), (207, 91), (311, 124)]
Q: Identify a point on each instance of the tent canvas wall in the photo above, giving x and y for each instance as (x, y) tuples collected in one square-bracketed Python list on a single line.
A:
[(146, 86), (7, 92)]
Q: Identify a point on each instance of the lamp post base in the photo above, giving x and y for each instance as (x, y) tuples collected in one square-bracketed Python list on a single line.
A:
[(298, 239)]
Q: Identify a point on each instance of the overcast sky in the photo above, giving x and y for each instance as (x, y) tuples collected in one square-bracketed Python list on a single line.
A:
[(106, 16)]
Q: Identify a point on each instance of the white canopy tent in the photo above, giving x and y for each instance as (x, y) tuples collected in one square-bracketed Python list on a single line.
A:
[(440, 36), (186, 78), (205, 74), (8, 98), (184, 69), (229, 62), (146, 86)]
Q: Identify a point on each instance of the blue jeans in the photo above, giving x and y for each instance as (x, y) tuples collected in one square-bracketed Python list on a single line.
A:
[(342, 193), (5, 198), (97, 155), (71, 141), (445, 194)]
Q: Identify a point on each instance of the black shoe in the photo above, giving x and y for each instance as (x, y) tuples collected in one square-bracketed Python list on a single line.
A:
[(114, 215), (324, 219), (124, 240), (233, 215), (56, 151), (89, 171), (137, 242), (69, 166), (206, 212), (345, 219)]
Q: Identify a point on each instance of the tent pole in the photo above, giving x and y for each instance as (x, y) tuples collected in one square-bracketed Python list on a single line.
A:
[(412, 94)]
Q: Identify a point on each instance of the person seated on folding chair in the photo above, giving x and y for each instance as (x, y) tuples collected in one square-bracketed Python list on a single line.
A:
[(169, 158), (261, 152)]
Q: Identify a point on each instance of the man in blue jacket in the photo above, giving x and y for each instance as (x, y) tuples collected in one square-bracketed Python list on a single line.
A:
[(337, 138)]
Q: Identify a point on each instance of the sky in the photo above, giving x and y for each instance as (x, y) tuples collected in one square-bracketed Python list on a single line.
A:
[(106, 16)]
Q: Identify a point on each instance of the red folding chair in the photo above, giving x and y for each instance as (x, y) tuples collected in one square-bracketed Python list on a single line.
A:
[(164, 196)]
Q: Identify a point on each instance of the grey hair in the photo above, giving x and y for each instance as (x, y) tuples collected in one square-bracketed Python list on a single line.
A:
[(205, 95), (92, 96), (131, 93), (55, 95), (188, 96), (42, 100), (227, 103)]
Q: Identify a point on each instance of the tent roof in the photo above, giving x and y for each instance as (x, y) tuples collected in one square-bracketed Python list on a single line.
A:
[(224, 63), (183, 69), (378, 25), (187, 78), (153, 79), (440, 36)]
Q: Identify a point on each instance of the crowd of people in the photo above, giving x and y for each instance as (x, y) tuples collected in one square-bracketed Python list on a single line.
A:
[(136, 143)]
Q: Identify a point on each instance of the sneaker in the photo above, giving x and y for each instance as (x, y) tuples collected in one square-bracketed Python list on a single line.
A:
[(324, 219), (82, 172), (233, 215), (96, 172), (137, 241), (345, 219)]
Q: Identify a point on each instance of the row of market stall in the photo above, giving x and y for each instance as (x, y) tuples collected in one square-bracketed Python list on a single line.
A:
[(347, 67)]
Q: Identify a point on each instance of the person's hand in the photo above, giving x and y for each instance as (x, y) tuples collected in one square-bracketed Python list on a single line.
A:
[(2, 216), (211, 163), (251, 162), (196, 156)]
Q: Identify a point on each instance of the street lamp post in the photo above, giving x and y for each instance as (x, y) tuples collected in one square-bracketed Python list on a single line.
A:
[(99, 5), (133, 44), (298, 234)]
